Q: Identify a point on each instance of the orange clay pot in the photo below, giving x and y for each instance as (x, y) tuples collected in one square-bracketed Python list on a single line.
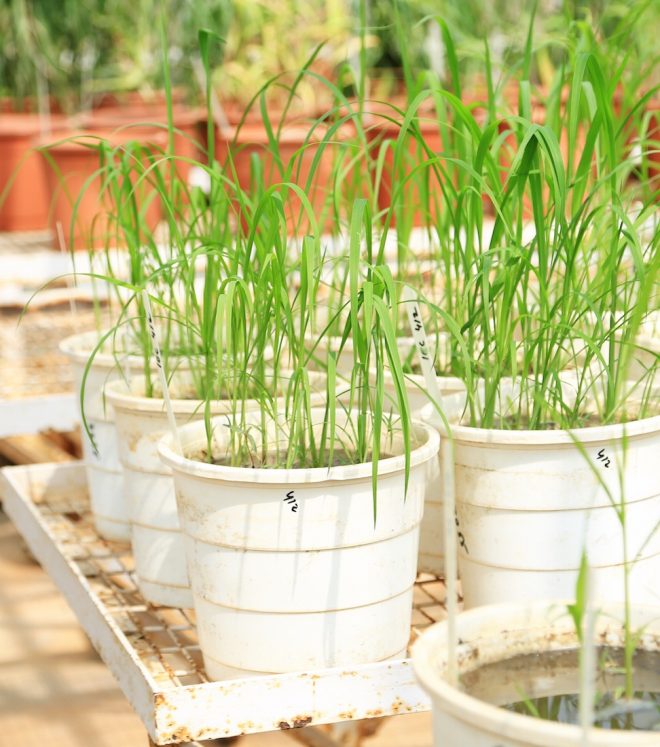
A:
[(237, 146), (381, 128), (75, 161), (186, 121), (653, 138), (507, 154), (24, 195), (141, 104)]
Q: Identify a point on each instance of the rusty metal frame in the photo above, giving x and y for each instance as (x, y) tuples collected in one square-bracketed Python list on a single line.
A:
[(153, 651)]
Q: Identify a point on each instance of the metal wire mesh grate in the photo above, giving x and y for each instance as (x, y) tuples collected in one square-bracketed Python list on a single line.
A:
[(29, 356), (165, 638)]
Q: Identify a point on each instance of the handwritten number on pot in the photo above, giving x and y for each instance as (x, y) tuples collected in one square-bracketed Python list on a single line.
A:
[(291, 500), (602, 457), (461, 536), (94, 445)]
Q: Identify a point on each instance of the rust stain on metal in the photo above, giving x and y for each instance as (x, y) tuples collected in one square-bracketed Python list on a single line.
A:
[(376, 713), (347, 715), (160, 700), (247, 727), (298, 723), (398, 706), (182, 735)]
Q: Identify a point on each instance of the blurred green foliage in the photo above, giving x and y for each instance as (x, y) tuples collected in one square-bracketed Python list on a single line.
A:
[(76, 49), (73, 49)]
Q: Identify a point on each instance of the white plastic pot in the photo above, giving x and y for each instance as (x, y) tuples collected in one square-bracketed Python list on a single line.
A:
[(431, 535), (288, 570), (451, 388), (104, 472), (158, 550), (156, 537), (528, 503), (496, 633)]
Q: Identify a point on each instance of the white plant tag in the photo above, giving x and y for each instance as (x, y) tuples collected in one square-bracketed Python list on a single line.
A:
[(176, 441), (421, 343)]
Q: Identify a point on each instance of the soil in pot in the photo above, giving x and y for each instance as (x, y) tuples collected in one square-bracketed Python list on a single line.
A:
[(547, 686), (339, 459)]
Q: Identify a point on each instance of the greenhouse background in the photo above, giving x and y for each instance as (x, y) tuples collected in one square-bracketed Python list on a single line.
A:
[(329, 373)]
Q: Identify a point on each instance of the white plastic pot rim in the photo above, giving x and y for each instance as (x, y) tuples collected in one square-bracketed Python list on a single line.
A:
[(125, 397), (334, 342), (498, 437), (121, 396), (79, 347), (445, 382), (192, 435), (429, 651)]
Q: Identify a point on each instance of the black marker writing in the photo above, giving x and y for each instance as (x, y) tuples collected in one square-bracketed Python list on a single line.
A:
[(461, 536), (415, 315), (92, 439), (291, 500), (152, 332), (603, 458)]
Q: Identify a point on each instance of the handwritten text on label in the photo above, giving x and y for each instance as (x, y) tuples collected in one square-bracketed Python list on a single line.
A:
[(602, 457), (291, 500), (152, 332), (461, 536)]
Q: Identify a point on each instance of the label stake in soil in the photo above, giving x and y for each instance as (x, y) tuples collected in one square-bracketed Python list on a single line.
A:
[(421, 345), (176, 442), (447, 466)]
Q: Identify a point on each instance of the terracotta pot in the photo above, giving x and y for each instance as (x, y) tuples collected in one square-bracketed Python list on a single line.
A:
[(27, 105), (381, 128), (475, 92), (75, 161), (142, 104), (24, 204), (653, 139), (251, 139), (186, 121), (508, 151), (237, 112)]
